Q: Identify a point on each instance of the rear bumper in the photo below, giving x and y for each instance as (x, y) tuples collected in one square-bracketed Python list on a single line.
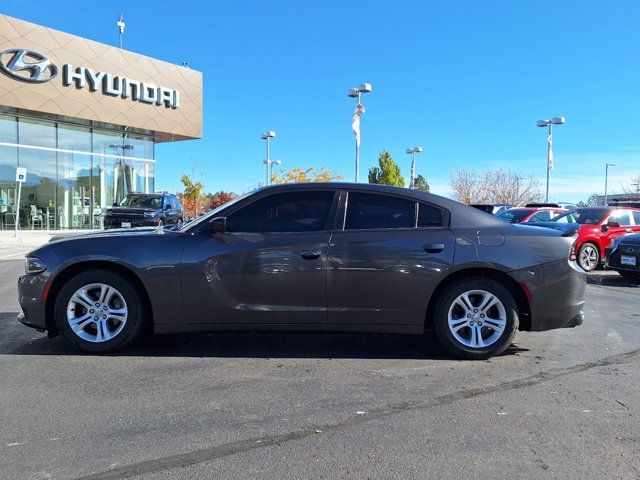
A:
[(556, 292)]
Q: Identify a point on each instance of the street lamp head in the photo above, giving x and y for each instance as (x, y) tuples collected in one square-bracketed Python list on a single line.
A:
[(409, 150), (557, 120), (543, 123), (269, 134), (352, 92), (417, 149), (364, 88), (277, 162)]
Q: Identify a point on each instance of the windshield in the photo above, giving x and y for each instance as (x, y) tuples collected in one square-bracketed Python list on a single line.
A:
[(588, 216), (513, 216), (143, 201), (212, 213)]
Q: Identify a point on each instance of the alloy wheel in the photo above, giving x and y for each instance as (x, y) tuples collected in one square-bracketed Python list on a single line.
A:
[(588, 257), (97, 312), (477, 319)]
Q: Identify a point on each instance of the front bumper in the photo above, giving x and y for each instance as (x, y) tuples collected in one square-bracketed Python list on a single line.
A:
[(116, 222), (556, 292), (614, 261), (31, 289)]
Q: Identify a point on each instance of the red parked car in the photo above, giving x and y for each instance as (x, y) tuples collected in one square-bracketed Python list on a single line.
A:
[(532, 212), (596, 227)]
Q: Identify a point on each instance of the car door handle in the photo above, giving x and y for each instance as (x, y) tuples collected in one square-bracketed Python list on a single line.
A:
[(310, 254), (433, 247)]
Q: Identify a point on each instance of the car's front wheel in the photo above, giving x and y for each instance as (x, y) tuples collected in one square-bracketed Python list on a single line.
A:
[(99, 311), (476, 318), (588, 257)]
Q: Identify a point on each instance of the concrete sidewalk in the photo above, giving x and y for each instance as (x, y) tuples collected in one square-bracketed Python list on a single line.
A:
[(34, 238)]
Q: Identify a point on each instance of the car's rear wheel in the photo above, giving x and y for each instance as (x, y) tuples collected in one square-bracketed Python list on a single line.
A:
[(476, 318), (588, 257), (99, 311)]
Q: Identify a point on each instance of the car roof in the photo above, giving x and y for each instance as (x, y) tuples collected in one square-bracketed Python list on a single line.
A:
[(463, 217)]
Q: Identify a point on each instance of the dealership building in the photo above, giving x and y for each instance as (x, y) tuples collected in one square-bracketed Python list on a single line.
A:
[(83, 119)]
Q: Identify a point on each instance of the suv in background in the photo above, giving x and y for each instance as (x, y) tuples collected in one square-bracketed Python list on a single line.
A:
[(144, 210), (532, 212), (596, 228)]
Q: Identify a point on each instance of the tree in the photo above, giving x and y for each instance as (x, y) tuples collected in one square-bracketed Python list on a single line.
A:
[(420, 183), (299, 175), (387, 173), (494, 186), (592, 201), (634, 187), (219, 198), (189, 198)]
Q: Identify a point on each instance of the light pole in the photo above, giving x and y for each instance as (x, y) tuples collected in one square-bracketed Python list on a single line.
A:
[(606, 180), (518, 190), (412, 152), (267, 161), (121, 26), (549, 123), (356, 92)]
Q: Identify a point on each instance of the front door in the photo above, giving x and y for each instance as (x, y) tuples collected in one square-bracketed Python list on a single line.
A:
[(623, 218), (269, 268), (383, 265)]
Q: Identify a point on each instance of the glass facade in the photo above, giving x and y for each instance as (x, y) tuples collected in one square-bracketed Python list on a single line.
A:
[(74, 172)]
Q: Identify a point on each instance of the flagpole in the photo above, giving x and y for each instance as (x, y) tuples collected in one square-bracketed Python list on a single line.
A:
[(356, 92), (358, 150)]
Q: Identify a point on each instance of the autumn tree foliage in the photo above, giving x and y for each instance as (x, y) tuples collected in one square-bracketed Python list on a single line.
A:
[(300, 175), (494, 186), (215, 200)]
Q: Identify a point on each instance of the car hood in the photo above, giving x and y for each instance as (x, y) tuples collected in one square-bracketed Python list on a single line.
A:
[(633, 239), (567, 229), (115, 232)]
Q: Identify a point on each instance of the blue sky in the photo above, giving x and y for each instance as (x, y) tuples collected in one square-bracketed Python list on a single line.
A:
[(466, 80)]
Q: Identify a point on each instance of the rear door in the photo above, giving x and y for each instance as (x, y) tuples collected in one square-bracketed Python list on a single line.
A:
[(636, 220), (385, 257)]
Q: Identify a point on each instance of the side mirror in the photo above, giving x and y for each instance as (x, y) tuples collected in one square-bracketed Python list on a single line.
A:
[(609, 225), (219, 225), (114, 204)]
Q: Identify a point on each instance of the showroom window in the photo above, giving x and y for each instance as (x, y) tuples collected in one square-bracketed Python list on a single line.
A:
[(285, 212), (74, 172)]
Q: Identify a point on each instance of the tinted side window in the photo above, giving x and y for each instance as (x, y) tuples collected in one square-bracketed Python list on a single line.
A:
[(636, 217), (429, 216), (284, 212), (365, 211), (543, 216)]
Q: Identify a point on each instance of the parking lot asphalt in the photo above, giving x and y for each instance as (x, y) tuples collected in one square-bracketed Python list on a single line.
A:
[(559, 404)]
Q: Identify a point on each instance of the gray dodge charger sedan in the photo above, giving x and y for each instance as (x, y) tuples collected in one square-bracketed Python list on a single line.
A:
[(334, 257)]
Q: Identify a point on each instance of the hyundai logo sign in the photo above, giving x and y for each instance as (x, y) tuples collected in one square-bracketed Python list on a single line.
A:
[(33, 67), (27, 65)]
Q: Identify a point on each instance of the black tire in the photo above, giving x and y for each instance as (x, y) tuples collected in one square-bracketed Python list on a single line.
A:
[(441, 319), (630, 276), (135, 320), (581, 251)]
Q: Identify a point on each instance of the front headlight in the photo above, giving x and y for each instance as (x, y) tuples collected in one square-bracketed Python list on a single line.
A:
[(34, 265), (615, 242)]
